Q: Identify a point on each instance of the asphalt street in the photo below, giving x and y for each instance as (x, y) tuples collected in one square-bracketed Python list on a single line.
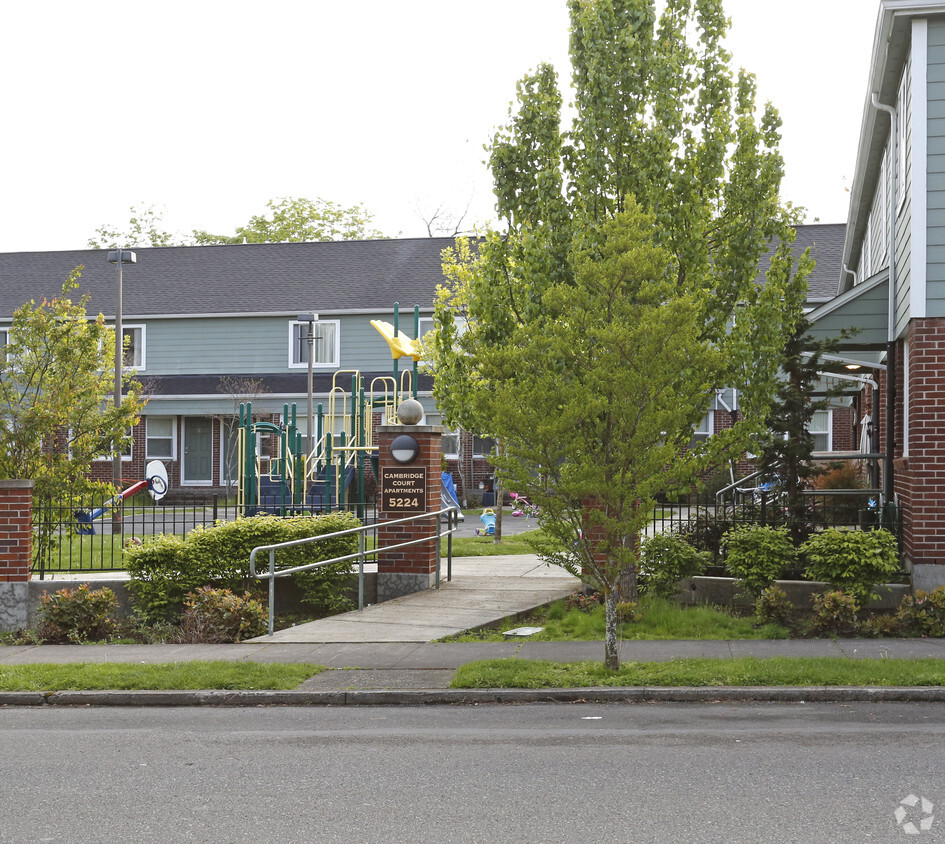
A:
[(534, 773)]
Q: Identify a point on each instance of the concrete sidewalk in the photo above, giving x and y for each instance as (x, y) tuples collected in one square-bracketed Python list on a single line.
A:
[(483, 591)]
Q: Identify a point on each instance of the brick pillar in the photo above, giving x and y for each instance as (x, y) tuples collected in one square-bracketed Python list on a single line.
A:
[(16, 531), (16, 552), (920, 477), (410, 569)]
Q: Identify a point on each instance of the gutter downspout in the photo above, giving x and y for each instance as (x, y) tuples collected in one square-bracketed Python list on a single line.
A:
[(891, 332)]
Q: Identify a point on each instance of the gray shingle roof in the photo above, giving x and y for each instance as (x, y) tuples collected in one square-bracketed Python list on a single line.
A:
[(287, 277), (826, 243), (252, 278)]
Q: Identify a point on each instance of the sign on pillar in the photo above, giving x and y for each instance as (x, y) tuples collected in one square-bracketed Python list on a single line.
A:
[(408, 484)]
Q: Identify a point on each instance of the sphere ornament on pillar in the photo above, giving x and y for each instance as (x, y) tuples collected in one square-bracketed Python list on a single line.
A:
[(409, 412)]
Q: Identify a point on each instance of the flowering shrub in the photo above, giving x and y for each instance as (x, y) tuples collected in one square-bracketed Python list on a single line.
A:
[(835, 614), (923, 614), (77, 615), (214, 616)]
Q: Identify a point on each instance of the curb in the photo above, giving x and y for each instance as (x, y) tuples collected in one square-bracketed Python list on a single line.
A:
[(475, 697)]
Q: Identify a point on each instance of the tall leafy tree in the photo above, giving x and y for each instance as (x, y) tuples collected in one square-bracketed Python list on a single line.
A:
[(787, 445), (662, 120), (56, 383), (299, 221), (145, 228)]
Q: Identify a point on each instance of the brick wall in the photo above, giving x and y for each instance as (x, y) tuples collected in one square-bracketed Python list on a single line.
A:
[(920, 475), (16, 530)]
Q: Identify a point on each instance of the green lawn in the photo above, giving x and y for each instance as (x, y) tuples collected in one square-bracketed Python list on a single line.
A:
[(217, 674), (654, 619), (744, 671)]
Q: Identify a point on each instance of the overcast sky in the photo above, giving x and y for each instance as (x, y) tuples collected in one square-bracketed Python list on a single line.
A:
[(207, 109)]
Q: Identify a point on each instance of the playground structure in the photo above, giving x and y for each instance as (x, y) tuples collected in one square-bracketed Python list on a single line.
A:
[(318, 475), (155, 483)]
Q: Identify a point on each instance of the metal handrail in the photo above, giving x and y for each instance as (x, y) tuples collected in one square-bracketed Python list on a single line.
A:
[(359, 555)]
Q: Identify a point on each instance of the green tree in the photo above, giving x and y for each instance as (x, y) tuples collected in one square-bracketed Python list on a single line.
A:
[(596, 403), (145, 228), (56, 383), (660, 120), (787, 445), (299, 221)]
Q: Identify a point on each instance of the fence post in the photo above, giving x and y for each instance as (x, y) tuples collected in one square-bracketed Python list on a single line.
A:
[(16, 552)]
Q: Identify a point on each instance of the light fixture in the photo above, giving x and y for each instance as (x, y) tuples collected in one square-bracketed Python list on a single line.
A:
[(404, 448), (853, 366)]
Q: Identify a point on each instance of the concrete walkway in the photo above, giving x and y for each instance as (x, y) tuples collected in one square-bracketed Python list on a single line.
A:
[(483, 591)]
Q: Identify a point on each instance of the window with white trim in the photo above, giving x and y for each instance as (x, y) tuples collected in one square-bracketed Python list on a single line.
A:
[(134, 346), (703, 430), (325, 345), (820, 428), (127, 448), (483, 446), (160, 437), (450, 445)]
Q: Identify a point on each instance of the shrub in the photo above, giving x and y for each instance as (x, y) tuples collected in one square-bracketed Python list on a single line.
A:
[(77, 615), (835, 614), (773, 606), (756, 555), (626, 611), (841, 509), (666, 559), (165, 569), (214, 616), (853, 561), (583, 601), (923, 614)]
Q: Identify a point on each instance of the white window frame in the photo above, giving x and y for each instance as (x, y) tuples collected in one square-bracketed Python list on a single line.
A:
[(295, 361), (108, 458), (704, 429), (819, 432), (143, 329), (148, 438)]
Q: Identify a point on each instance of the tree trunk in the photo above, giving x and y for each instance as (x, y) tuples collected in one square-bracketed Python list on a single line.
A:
[(611, 656)]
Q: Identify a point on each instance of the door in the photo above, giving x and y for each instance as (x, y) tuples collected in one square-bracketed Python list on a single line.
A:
[(197, 463)]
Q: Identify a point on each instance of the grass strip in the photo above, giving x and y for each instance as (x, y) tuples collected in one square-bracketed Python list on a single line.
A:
[(168, 676), (654, 619), (743, 671)]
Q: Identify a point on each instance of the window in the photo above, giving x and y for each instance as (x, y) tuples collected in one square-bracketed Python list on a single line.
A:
[(127, 447), (702, 431), (820, 428), (325, 344), (450, 445), (483, 446), (134, 346), (160, 437)]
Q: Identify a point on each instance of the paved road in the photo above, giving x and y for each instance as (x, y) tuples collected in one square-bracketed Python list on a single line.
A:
[(538, 773)]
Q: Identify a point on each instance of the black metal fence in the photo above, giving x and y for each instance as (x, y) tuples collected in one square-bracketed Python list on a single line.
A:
[(703, 520), (88, 535)]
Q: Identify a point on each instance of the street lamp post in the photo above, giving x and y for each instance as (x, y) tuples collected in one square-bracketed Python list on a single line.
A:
[(311, 319), (119, 257)]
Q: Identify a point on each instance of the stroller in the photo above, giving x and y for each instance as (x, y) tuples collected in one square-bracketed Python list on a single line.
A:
[(488, 523)]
